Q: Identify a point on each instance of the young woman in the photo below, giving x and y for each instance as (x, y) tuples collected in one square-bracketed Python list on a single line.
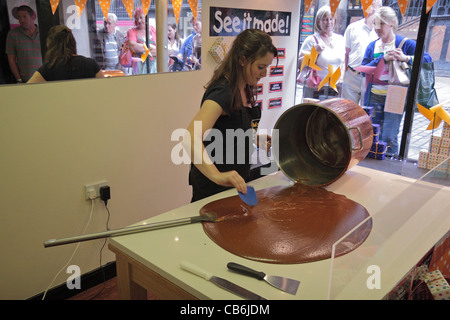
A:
[(228, 104), (61, 61), (173, 43)]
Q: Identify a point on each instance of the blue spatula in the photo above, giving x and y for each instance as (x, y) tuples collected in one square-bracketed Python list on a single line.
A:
[(249, 197)]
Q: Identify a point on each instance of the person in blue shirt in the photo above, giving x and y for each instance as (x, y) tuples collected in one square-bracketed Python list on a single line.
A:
[(185, 53)]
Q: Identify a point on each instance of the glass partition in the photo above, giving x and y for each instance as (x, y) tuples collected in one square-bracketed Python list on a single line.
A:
[(411, 136), (372, 266), (103, 29)]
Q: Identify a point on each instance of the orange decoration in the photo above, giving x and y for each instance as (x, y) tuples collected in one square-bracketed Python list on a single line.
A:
[(80, 6), (366, 6), (334, 4), (430, 4), (403, 4), (104, 5), (54, 4), (176, 4), (193, 5), (307, 5), (146, 6), (129, 7)]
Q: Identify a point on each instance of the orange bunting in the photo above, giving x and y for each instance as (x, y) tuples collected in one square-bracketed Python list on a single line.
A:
[(403, 4), (430, 4), (193, 5), (146, 6), (331, 78), (366, 6), (176, 4), (104, 5), (334, 4), (128, 4), (54, 4), (307, 5), (80, 6)]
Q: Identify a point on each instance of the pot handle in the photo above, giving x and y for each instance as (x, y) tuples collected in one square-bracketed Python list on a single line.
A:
[(360, 138)]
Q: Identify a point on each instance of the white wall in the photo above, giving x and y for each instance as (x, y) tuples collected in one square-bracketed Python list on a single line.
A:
[(57, 137)]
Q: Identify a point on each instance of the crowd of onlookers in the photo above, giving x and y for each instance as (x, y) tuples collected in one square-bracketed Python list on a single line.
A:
[(367, 42), (109, 46)]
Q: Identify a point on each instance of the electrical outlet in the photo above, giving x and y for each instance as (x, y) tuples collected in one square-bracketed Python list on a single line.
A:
[(93, 190)]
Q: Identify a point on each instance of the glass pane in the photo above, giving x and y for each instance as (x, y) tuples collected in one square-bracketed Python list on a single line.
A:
[(416, 136), (104, 39)]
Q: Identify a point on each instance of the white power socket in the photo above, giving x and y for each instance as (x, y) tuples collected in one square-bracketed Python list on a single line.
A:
[(92, 191)]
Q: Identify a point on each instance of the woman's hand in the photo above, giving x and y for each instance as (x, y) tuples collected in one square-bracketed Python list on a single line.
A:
[(396, 54), (230, 179), (264, 141), (319, 48)]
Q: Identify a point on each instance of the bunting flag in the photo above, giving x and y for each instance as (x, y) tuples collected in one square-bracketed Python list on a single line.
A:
[(435, 114), (309, 60), (54, 4), (176, 5), (307, 5), (331, 78), (80, 6), (146, 6), (104, 5), (366, 6), (334, 4), (145, 54), (193, 5), (430, 4), (129, 7), (403, 4)]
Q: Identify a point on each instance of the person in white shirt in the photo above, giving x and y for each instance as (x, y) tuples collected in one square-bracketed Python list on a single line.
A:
[(330, 48), (357, 36)]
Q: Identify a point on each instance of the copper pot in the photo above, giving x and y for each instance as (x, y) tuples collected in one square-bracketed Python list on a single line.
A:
[(319, 142)]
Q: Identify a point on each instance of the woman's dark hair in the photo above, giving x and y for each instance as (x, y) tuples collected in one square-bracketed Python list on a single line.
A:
[(61, 46), (174, 27), (250, 44)]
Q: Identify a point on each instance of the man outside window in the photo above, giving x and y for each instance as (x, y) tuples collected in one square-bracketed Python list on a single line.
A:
[(107, 46), (185, 53), (357, 36), (23, 46)]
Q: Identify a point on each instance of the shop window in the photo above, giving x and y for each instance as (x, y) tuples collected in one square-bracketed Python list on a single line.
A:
[(89, 32), (412, 136)]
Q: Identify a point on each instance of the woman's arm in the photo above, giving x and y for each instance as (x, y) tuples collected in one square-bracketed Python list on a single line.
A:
[(409, 48), (100, 74), (368, 59), (193, 142), (132, 43)]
